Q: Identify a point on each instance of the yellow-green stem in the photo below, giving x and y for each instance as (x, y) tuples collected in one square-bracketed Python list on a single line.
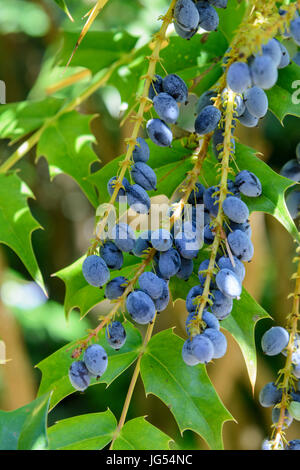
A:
[(285, 385)]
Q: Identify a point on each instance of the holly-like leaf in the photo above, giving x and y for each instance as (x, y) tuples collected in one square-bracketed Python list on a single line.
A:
[(80, 294), (66, 144), (25, 428), (18, 119), (284, 97), (139, 434), (99, 49), (85, 432), (187, 391), (230, 18), (55, 368), (17, 223), (294, 409)]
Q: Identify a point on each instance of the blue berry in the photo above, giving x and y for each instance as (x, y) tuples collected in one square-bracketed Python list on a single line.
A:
[(295, 30), (184, 33), (196, 196), (186, 269), (247, 119), (187, 241), (272, 49), (141, 151), (238, 268), (245, 227), (241, 245), (95, 271), (207, 120), (111, 188), (235, 209), (228, 283), (142, 243), (269, 395), (202, 348), (248, 183), (79, 375), (285, 57), (208, 235), (256, 101), (218, 340), (151, 285), (116, 287), (159, 132), (115, 335), (264, 72), (176, 87), (166, 107), (169, 263), (238, 77), (296, 58), (210, 201), (161, 239), (293, 203), (274, 340), (112, 255), (140, 306), (186, 15), (209, 18), (123, 237), (291, 170), (293, 445), (221, 306), (143, 175), (155, 87), (190, 302), (162, 302), (138, 199), (205, 100), (187, 354), (95, 358), (210, 320)]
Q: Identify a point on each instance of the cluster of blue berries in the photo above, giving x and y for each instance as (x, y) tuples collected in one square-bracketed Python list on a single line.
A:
[(226, 284), (95, 360), (291, 170), (275, 341), (191, 15), (165, 93)]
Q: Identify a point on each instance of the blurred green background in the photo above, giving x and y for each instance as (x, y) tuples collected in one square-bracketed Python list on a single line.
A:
[(34, 327)]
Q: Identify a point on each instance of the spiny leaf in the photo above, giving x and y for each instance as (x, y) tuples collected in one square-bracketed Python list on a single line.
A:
[(139, 434), (62, 4), (25, 428), (187, 391), (55, 368), (66, 144), (17, 223), (92, 431)]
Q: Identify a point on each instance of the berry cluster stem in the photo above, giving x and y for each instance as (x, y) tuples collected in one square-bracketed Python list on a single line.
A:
[(218, 223), (286, 373)]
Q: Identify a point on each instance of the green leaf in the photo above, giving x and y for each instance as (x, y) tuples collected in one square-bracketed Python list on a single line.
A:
[(187, 391), (98, 50), (55, 368), (272, 200), (284, 97), (18, 119), (17, 223), (25, 428), (66, 144), (62, 4), (80, 294), (294, 409), (231, 17), (85, 432), (241, 324), (139, 434)]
